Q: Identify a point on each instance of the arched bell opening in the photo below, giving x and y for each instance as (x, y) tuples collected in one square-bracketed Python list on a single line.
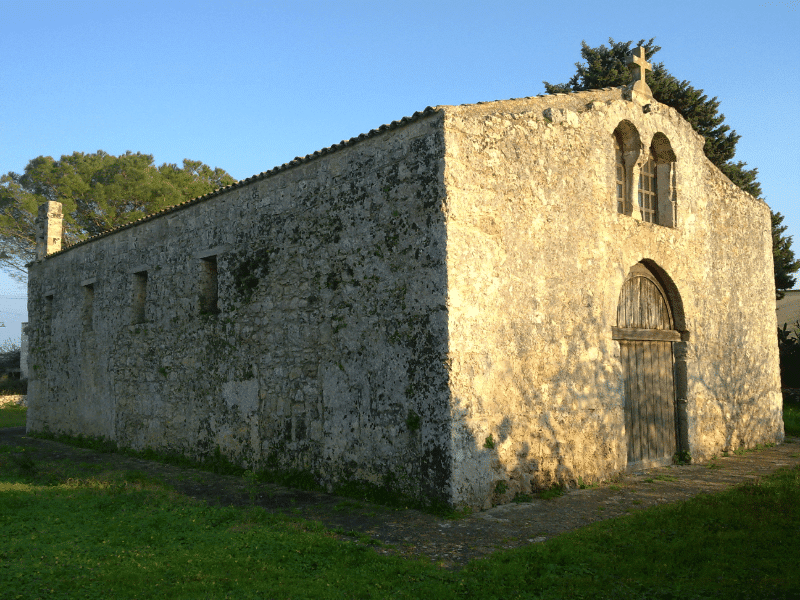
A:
[(663, 161), (627, 147)]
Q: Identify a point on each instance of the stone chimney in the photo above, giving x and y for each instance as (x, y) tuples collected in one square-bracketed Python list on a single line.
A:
[(48, 229)]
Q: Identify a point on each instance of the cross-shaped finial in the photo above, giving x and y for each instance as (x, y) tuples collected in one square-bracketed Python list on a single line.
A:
[(637, 62)]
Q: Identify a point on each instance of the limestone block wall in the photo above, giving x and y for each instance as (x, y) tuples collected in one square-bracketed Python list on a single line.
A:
[(297, 319), (537, 255)]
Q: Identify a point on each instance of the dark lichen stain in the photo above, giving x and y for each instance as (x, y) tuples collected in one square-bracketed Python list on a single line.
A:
[(248, 270)]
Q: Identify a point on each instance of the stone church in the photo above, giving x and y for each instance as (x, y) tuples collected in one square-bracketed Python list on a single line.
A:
[(465, 304)]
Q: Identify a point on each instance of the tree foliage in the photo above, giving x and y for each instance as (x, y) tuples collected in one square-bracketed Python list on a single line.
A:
[(606, 67), (783, 256), (10, 345), (98, 192), (789, 349)]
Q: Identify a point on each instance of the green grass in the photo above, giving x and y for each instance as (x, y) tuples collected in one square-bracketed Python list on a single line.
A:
[(124, 535), (551, 493), (791, 418), (70, 531), (12, 416), (386, 494)]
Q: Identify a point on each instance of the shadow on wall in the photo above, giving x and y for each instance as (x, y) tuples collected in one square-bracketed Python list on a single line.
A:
[(561, 421), (730, 408)]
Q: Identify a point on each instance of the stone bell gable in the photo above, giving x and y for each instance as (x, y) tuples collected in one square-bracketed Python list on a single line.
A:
[(466, 304)]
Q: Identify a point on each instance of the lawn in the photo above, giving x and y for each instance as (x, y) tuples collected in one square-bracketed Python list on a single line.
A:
[(12, 416), (791, 418), (73, 532)]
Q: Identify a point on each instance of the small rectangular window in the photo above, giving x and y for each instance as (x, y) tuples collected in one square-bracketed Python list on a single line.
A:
[(209, 290), (88, 307), (139, 297)]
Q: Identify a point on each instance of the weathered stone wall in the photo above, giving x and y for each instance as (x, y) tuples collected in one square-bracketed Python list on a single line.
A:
[(429, 306), (328, 349), (23, 352), (537, 255)]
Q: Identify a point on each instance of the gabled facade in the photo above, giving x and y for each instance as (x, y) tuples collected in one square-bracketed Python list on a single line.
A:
[(464, 304)]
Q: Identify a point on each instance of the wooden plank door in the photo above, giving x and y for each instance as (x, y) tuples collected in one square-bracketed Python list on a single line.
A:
[(645, 336)]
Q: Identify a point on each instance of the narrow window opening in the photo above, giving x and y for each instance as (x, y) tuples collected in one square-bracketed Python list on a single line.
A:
[(648, 192), (88, 307), (655, 172), (664, 159), (139, 297), (620, 176), (209, 289), (627, 147)]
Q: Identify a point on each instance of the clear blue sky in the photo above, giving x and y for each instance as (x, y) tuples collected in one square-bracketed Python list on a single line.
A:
[(247, 86)]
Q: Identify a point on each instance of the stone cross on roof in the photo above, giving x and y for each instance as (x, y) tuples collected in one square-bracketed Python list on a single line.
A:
[(637, 62)]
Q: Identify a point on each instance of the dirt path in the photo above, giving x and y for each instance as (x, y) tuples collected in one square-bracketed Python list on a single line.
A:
[(450, 543)]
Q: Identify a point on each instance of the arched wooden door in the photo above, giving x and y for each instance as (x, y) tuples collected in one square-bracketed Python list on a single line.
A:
[(645, 333)]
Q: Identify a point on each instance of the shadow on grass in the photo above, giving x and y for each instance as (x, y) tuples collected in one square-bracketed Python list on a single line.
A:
[(13, 416), (791, 414), (93, 538), (219, 464)]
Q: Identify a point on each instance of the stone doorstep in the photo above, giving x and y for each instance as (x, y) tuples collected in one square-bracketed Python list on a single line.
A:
[(16, 400)]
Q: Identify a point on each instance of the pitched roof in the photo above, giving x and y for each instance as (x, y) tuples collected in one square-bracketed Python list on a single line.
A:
[(300, 160)]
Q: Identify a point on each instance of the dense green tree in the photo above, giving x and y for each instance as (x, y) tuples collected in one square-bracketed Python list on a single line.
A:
[(785, 263), (606, 67), (98, 192)]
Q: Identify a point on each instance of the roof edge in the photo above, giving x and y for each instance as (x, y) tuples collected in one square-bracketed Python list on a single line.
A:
[(296, 162), (301, 160)]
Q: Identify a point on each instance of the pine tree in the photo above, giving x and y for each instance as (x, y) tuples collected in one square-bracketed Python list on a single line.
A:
[(98, 192), (783, 256)]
